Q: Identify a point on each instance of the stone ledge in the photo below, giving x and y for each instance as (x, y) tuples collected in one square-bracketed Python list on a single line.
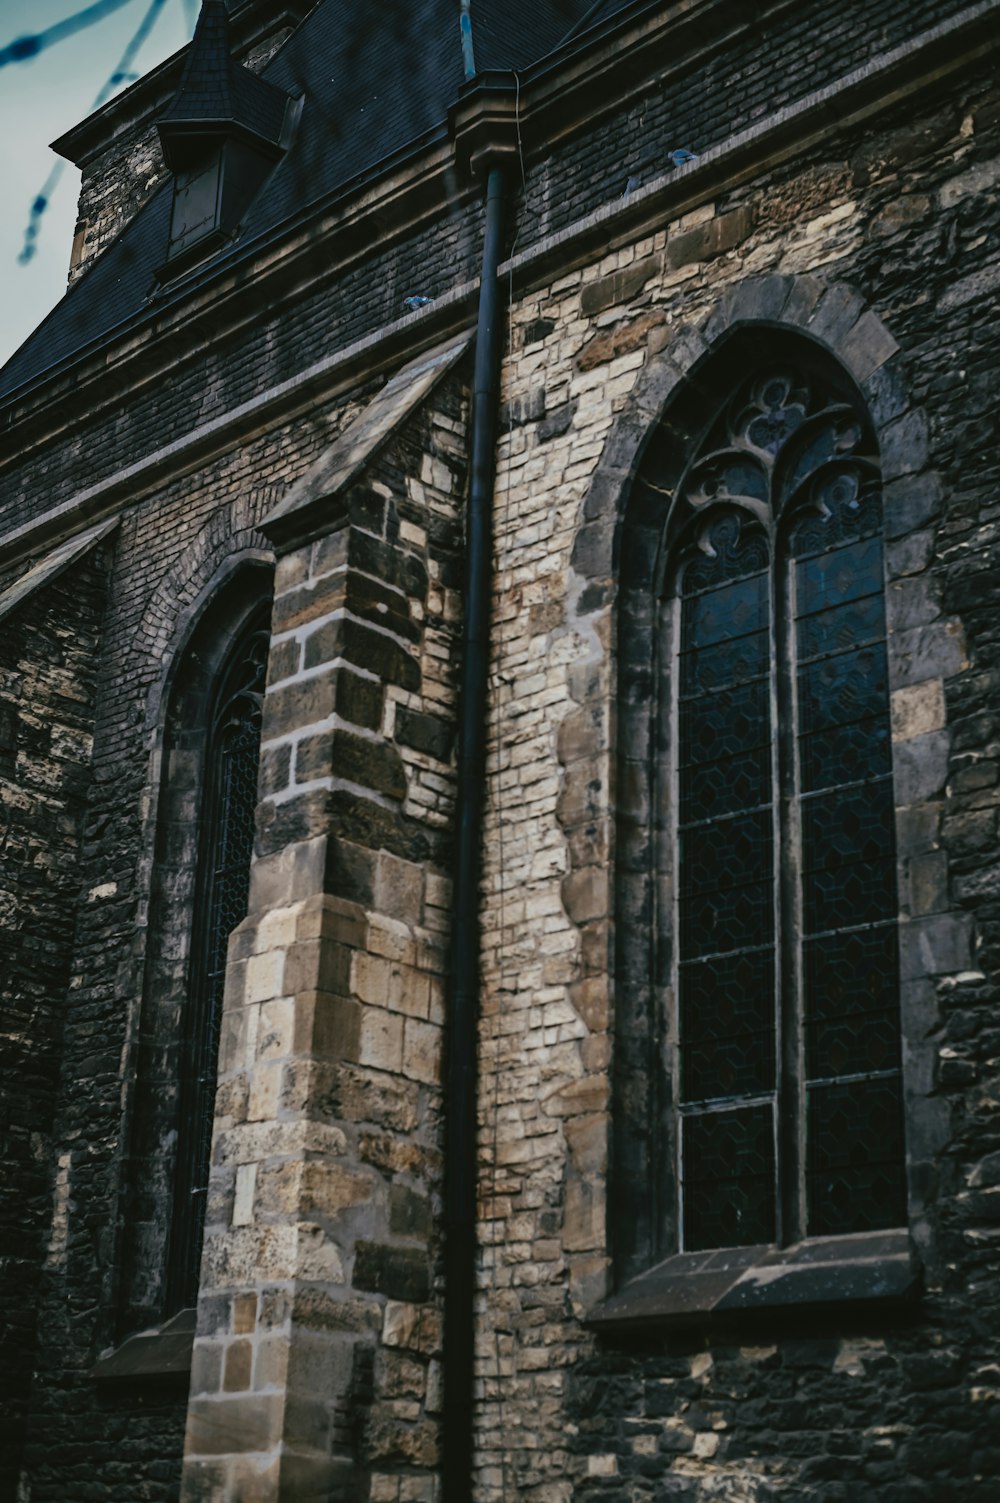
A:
[(163, 1351), (820, 1273)]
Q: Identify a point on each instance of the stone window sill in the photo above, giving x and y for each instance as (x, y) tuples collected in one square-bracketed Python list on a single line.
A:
[(823, 1273), (162, 1352)]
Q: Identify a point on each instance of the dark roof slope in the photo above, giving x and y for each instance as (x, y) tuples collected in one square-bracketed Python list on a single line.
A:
[(375, 80)]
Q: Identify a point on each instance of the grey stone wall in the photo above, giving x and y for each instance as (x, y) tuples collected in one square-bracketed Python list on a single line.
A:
[(49, 664)]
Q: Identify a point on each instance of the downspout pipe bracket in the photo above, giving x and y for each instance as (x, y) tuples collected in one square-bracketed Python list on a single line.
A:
[(483, 123)]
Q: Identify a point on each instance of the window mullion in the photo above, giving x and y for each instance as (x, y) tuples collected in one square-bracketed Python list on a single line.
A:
[(788, 919)]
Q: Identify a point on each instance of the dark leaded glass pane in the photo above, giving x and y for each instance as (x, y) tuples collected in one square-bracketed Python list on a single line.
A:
[(846, 505), (854, 1135), (727, 1026), (715, 922), (827, 580), (714, 726), (725, 663), (851, 988), (710, 790), (726, 853), (726, 612), (849, 869), (735, 550), (725, 883), (839, 690), (729, 1177), (850, 1008), (842, 627), (845, 754)]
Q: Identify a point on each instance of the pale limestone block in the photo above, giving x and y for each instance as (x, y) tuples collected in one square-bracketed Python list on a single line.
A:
[(401, 1324), (703, 214), (243, 1257), (265, 1090), (263, 978), (276, 1029), (918, 709), (411, 992), (250, 1036), (276, 930), (422, 1051), (410, 533), (381, 1045), (246, 1184), (318, 1257), (371, 977), (383, 1488), (602, 1466)]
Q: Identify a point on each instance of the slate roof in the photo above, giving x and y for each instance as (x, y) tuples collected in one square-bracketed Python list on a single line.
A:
[(376, 80), (216, 90)]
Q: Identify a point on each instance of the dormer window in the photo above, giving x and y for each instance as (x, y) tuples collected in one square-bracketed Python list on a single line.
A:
[(197, 210), (221, 137)]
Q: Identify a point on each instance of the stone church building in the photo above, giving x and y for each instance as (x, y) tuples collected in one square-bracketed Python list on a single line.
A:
[(500, 766)]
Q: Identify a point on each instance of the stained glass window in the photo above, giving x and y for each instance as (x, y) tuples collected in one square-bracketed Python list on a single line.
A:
[(227, 832), (788, 1078)]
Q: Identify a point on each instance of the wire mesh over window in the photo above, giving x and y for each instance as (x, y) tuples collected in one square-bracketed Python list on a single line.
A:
[(789, 1082), (227, 833)]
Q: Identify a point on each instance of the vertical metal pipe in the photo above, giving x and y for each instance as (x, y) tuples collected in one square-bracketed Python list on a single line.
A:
[(463, 1011)]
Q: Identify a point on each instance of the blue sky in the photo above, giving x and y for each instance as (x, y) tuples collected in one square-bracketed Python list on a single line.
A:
[(39, 99)]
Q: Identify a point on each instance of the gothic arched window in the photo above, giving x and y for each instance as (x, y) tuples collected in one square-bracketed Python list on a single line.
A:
[(200, 871), (232, 752), (758, 1053), (788, 1083)]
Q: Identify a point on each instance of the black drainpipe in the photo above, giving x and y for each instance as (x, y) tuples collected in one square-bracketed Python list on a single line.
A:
[(463, 1012)]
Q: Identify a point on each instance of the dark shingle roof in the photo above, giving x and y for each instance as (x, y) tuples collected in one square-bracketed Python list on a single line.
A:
[(216, 90), (375, 80)]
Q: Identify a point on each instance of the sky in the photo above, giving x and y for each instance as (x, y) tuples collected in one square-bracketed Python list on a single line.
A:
[(40, 98)]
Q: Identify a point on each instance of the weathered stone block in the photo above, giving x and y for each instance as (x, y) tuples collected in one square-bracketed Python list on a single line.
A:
[(224, 1426), (424, 732), (238, 1366), (918, 710), (377, 651), (920, 767), (399, 1272), (620, 287), (911, 502)]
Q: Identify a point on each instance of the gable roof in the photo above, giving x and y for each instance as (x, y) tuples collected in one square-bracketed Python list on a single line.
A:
[(374, 80)]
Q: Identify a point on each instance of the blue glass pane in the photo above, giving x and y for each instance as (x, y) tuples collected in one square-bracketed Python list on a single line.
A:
[(838, 690)]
